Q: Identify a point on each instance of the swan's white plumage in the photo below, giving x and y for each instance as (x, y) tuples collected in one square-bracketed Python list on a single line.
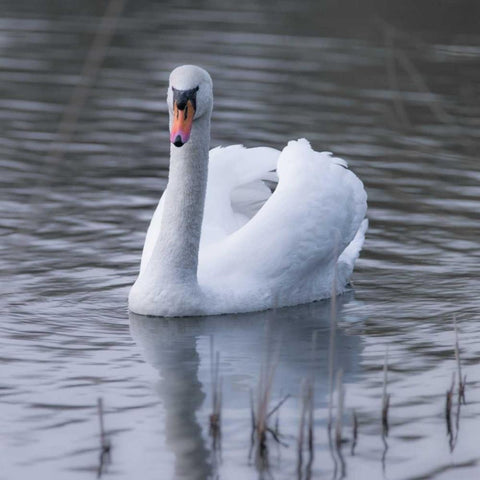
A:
[(259, 249)]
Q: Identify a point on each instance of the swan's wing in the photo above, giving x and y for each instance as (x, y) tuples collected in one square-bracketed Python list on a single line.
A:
[(249, 198), (236, 190), (293, 242)]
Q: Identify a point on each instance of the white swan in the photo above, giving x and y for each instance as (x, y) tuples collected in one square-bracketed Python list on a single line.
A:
[(221, 242)]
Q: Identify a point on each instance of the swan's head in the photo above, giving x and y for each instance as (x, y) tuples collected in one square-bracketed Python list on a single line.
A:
[(189, 98)]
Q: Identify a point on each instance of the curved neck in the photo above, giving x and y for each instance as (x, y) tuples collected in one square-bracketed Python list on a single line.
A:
[(175, 257)]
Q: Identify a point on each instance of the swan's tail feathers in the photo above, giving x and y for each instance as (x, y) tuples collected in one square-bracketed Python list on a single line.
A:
[(349, 256)]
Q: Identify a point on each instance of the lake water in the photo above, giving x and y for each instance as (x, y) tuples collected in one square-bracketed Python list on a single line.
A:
[(402, 108)]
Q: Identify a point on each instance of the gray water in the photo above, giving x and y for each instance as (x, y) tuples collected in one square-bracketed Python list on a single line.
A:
[(402, 108)]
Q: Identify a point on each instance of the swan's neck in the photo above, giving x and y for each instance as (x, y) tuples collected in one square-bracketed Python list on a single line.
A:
[(175, 258)]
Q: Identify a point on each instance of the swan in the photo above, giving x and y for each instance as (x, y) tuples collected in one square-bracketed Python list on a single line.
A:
[(244, 229)]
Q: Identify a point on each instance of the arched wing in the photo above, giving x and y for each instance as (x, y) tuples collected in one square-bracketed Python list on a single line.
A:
[(301, 230)]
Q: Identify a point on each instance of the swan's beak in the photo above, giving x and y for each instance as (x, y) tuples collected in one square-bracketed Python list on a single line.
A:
[(182, 123)]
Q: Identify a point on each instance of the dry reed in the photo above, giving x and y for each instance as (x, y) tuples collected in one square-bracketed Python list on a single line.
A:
[(91, 66)]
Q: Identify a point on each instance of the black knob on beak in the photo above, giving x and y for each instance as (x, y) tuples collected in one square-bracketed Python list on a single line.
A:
[(178, 141)]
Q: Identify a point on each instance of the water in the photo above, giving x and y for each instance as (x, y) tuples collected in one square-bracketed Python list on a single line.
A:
[(72, 232)]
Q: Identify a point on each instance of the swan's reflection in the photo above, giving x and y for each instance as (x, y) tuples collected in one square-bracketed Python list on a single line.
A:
[(177, 346)]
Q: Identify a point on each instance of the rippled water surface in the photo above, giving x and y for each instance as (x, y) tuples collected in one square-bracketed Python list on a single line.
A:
[(403, 109)]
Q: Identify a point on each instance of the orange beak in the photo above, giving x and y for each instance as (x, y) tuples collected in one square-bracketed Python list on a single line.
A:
[(182, 123)]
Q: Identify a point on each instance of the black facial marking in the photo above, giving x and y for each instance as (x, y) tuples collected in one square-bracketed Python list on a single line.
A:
[(181, 97)]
